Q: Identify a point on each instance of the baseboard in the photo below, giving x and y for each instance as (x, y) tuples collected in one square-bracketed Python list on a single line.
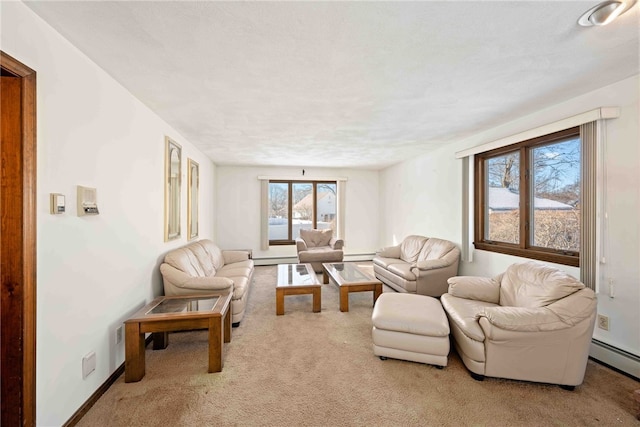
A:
[(620, 360), (294, 259), (77, 416)]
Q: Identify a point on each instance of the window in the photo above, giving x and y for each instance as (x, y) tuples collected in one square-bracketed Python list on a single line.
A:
[(527, 198), (296, 205)]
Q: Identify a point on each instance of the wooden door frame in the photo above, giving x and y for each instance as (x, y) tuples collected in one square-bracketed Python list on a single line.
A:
[(24, 252)]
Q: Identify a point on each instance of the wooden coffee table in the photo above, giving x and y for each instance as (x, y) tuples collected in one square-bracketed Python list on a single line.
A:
[(177, 313), (350, 278), (297, 279)]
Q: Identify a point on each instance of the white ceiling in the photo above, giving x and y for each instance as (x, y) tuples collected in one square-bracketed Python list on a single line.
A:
[(345, 84)]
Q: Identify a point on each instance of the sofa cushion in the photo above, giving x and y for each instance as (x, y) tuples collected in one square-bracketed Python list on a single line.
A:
[(384, 262), (214, 252), (435, 249), (532, 284), (402, 269), (314, 238), (185, 260), (410, 248), (205, 260)]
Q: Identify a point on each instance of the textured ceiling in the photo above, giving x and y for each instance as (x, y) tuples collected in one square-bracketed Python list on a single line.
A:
[(345, 84)]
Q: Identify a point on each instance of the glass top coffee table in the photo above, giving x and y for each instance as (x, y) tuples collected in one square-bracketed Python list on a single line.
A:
[(350, 278), (177, 313), (297, 279)]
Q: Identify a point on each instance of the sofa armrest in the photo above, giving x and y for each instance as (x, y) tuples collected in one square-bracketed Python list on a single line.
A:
[(389, 252), (519, 319), (430, 264), (336, 243), (181, 279), (475, 288), (234, 256), (301, 245)]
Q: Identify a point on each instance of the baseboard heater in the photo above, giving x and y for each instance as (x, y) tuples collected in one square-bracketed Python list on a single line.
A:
[(294, 259), (616, 358)]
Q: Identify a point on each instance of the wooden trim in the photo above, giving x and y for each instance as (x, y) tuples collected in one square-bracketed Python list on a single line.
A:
[(291, 240), (81, 412), (88, 404), (523, 248), (26, 251)]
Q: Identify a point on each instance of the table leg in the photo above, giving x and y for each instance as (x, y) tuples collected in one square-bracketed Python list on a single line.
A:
[(134, 364), (325, 276), (160, 340), (227, 324), (279, 301), (344, 298), (216, 341), (377, 291), (317, 299)]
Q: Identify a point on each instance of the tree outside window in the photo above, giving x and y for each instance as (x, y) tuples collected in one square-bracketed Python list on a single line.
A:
[(295, 205), (528, 198)]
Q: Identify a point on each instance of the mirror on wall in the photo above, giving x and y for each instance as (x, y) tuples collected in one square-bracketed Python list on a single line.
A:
[(173, 160), (192, 198)]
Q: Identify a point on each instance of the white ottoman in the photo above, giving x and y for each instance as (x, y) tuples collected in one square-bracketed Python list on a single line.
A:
[(410, 327)]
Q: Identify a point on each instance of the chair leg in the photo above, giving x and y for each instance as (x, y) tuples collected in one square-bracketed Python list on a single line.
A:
[(382, 358), (568, 387)]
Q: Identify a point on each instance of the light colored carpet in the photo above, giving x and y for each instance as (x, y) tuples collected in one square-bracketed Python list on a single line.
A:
[(318, 369)]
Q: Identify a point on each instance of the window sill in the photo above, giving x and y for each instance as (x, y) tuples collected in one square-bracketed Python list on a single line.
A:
[(554, 257)]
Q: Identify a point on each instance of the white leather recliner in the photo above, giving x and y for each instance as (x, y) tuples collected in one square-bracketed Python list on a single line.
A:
[(532, 323)]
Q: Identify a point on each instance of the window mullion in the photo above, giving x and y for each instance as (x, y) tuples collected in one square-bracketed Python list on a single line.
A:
[(315, 205), (290, 210), (525, 198)]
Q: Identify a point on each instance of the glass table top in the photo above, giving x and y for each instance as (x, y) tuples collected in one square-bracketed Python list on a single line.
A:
[(296, 274), (349, 272), (184, 305)]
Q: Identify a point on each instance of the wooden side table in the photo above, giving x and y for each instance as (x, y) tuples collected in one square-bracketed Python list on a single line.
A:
[(177, 313)]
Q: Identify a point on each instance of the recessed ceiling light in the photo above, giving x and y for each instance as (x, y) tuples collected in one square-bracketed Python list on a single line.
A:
[(605, 12)]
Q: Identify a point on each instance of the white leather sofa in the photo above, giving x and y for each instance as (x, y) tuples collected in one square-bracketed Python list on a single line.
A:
[(201, 267), (419, 265), (532, 323)]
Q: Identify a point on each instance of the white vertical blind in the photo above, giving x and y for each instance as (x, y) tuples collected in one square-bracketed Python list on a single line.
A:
[(264, 203), (589, 209), (467, 209), (264, 215), (342, 191)]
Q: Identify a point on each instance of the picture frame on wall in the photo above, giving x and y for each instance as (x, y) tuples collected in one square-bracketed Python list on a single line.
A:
[(172, 186), (193, 198)]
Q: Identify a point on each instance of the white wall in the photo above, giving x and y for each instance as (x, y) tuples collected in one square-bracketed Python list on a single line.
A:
[(92, 272), (424, 196), (238, 208)]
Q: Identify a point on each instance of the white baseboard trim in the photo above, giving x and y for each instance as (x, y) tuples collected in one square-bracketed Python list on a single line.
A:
[(619, 359), (294, 259)]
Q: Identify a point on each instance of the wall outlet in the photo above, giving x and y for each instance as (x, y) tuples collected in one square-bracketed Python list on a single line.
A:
[(119, 334), (88, 364), (603, 322)]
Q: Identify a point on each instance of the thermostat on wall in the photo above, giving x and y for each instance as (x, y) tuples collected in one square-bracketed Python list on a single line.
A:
[(87, 201), (57, 203)]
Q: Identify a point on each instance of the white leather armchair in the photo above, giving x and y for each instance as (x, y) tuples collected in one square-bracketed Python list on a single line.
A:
[(318, 246), (532, 323)]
